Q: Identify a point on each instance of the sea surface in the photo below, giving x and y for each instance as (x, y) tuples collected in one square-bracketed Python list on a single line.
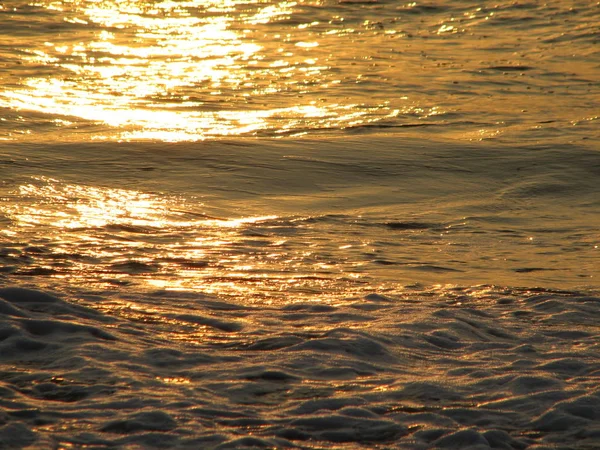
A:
[(327, 224)]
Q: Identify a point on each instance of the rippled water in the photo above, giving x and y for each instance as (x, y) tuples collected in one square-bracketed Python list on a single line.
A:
[(311, 224), (325, 148), (198, 69), (266, 219)]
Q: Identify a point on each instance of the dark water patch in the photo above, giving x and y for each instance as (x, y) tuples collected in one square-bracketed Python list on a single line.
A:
[(358, 2), (67, 394), (134, 229), (37, 271), (16, 436), (293, 434), (342, 373), (7, 270), (568, 367), (528, 384), (432, 268), (368, 127), (427, 392), (8, 309), (421, 8), (340, 428), (431, 434), (69, 257), (551, 306), (385, 262), (27, 414), (36, 250), (479, 417), (228, 326), (172, 358), (378, 298), (515, 68), (462, 439), (274, 343), (592, 36), (354, 411), (272, 375), (186, 263), (501, 439), (587, 299), (24, 345), (46, 327), (531, 269), (252, 442), (360, 347), (210, 412), (333, 404), (541, 188), (577, 413), (144, 421), (216, 305), (310, 307), (349, 318), (569, 334), (133, 268), (145, 440), (444, 340), (402, 225)]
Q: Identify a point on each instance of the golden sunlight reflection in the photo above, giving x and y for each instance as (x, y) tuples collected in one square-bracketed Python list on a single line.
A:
[(189, 70), (107, 236), (174, 380), (66, 206)]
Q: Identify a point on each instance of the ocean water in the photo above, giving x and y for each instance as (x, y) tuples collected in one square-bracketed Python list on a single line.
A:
[(312, 224)]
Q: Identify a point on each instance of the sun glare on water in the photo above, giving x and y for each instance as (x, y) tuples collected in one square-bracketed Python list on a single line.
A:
[(100, 236), (176, 71)]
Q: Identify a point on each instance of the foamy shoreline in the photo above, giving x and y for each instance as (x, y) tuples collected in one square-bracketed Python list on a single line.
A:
[(466, 368)]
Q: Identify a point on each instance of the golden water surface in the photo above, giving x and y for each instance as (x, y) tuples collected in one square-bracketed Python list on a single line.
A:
[(197, 70), (191, 70)]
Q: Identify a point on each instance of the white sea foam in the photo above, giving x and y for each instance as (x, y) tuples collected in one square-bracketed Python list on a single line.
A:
[(463, 368)]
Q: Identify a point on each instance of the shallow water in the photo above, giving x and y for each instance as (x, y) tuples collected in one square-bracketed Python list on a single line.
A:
[(270, 218), (459, 368), (299, 225)]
